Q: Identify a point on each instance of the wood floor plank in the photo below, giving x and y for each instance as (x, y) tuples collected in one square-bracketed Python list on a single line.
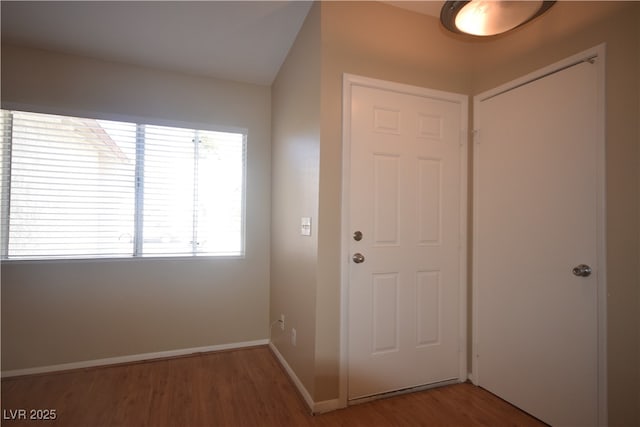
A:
[(238, 388)]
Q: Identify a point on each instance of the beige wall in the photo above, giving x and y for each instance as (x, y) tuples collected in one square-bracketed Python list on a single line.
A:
[(62, 312), (295, 167)]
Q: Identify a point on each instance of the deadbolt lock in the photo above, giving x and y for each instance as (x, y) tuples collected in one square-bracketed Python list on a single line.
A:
[(357, 236)]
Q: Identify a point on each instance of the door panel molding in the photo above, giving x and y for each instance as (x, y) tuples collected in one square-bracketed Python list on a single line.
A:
[(430, 130)]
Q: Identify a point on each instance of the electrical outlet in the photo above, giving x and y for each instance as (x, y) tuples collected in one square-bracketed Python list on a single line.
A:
[(294, 337), (282, 322)]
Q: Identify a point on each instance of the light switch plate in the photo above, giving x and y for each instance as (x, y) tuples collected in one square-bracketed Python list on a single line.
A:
[(305, 226)]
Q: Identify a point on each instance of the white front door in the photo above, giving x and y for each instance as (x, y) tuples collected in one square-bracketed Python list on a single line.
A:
[(407, 166), (538, 194)]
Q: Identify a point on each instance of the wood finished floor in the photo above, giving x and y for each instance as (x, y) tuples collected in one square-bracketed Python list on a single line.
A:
[(233, 388)]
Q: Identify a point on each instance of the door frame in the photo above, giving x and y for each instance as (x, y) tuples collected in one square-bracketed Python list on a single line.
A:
[(596, 53), (348, 82)]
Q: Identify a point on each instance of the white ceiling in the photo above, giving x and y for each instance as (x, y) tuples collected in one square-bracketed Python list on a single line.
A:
[(236, 40), (242, 40)]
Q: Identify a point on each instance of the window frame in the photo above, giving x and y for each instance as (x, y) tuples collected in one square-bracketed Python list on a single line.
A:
[(137, 254)]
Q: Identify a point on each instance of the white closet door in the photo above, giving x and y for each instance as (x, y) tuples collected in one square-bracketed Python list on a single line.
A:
[(536, 187)]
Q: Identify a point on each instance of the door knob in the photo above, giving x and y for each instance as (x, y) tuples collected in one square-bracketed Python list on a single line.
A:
[(582, 270), (358, 258)]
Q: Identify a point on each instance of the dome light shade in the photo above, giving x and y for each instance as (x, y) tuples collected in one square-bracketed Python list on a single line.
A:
[(490, 17)]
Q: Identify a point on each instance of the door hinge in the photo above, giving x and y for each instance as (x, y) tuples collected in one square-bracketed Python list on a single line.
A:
[(476, 136)]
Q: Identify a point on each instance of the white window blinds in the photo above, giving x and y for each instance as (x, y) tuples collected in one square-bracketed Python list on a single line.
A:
[(193, 191), (77, 187)]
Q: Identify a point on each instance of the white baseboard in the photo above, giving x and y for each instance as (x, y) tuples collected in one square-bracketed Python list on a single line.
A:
[(314, 407), (296, 381), (327, 406), (130, 358)]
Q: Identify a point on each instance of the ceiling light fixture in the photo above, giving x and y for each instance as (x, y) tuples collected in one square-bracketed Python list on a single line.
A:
[(490, 17)]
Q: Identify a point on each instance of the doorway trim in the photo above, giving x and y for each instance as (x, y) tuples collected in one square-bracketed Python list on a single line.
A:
[(348, 82), (596, 55)]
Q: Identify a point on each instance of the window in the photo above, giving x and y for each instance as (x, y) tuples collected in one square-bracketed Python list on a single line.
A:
[(85, 188)]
